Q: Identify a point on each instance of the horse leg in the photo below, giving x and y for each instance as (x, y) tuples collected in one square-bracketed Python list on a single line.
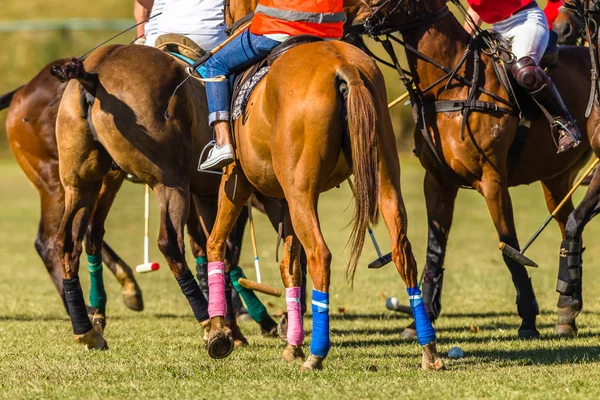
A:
[(206, 209), (393, 211), (439, 199), (292, 277), (555, 190), (495, 191), (174, 211), (231, 201), (131, 292), (93, 246), (52, 211), (569, 281)]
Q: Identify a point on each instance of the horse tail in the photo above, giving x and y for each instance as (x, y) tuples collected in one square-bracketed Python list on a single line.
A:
[(362, 123), (6, 98), (74, 69)]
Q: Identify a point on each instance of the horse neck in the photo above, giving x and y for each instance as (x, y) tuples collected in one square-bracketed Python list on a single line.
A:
[(444, 41), (240, 8)]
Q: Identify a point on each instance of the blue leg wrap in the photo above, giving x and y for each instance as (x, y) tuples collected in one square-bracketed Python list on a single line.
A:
[(97, 292), (425, 331), (320, 343)]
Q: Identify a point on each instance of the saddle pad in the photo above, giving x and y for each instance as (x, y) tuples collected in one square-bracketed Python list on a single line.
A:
[(244, 93)]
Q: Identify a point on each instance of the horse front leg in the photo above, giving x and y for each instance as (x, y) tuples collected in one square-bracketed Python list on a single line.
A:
[(495, 191)]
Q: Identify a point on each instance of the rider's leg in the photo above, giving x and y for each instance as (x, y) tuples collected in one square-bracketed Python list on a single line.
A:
[(242, 51), (528, 31)]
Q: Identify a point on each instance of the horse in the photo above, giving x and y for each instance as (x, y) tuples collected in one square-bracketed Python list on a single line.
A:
[(435, 43), (114, 113), (290, 145), (570, 26), (30, 128)]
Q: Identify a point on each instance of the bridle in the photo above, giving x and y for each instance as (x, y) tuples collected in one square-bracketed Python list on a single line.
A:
[(578, 13), (587, 13)]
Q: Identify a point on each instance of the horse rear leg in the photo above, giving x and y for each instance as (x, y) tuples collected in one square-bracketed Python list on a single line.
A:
[(495, 191), (569, 281), (393, 211), (232, 199), (439, 199), (174, 211)]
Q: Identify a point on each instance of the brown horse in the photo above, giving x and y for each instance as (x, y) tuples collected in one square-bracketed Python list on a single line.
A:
[(30, 127), (481, 159), (569, 25), (290, 145), (115, 113)]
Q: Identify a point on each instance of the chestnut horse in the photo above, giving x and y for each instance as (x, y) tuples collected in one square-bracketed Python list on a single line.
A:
[(290, 145), (113, 112), (30, 128), (569, 25), (481, 159)]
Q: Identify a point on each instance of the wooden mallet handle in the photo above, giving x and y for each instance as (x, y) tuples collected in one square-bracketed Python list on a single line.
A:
[(260, 287)]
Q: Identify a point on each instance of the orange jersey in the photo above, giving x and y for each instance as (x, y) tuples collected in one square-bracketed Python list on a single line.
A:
[(323, 18)]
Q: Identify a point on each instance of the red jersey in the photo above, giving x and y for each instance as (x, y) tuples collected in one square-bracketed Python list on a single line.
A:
[(492, 11), (551, 11)]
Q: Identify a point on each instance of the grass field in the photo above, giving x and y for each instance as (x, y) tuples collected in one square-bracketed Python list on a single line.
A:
[(158, 353)]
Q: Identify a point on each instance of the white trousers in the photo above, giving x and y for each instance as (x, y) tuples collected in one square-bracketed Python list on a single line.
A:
[(527, 30)]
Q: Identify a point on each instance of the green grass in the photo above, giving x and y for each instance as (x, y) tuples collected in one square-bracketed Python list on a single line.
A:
[(158, 353)]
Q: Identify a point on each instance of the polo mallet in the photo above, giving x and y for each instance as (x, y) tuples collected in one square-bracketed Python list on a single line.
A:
[(519, 256), (381, 259), (147, 266), (398, 100), (257, 286)]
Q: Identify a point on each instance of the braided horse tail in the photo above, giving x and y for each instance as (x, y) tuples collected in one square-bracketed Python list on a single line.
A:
[(362, 123)]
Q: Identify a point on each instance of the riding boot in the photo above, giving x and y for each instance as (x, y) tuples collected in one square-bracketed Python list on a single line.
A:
[(541, 88)]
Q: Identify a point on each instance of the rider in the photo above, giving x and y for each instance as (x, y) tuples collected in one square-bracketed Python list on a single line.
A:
[(274, 21), (524, 24)]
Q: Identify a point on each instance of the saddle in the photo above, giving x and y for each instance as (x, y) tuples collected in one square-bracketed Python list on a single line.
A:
[(185, 50), (245, 82)]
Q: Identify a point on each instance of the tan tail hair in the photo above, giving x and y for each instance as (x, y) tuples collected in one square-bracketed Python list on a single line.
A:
[(362, 125)]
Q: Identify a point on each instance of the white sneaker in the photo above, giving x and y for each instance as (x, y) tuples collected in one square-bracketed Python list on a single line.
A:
[(218, 157)]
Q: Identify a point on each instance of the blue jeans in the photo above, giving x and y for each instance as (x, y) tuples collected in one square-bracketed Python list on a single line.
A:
[(244, 50)]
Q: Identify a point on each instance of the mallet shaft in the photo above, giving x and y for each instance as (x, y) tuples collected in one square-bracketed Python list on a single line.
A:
[(259, 287), (398, 100), (254, 246)]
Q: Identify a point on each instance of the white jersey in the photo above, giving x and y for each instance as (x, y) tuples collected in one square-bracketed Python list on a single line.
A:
[(200, 20), (151, 27)]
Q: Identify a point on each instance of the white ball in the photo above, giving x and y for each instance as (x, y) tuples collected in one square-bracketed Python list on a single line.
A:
[(392, 303), (456, 352)]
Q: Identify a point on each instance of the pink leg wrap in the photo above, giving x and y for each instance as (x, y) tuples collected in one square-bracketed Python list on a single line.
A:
[(295, 332), (217, 306)]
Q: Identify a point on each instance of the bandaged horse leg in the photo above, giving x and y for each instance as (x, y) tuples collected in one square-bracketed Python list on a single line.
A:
[(256, 309), (440, 198), (232, 198), (97, 309), (291, 275), (393, 211)]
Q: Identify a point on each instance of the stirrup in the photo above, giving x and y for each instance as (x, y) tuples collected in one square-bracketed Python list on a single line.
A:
[(208, 146)]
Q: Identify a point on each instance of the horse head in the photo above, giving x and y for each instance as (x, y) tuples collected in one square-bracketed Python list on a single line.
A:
[(569, 24)]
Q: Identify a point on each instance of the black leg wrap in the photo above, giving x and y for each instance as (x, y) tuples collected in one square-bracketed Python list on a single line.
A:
[(202, 274), (228, 299), (191, 290), (76, 306), (568, 283), (432, 292)]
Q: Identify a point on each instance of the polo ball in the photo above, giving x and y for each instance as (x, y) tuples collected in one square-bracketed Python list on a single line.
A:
[(456, 352), (392, 303)]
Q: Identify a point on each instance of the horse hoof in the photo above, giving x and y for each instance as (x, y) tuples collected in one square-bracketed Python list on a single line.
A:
[(293, 353), (91, 340), (268, 328), (566, 330), (206, 329), (282, 327), (313, 363), (97, 319), (431, 360), (133, 300), (409, 333), (239, 339), (528, 334), (219, 345)]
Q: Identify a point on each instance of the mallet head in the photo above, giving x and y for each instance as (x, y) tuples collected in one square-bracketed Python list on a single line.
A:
[(147, 267), (516, 255), (381, 261)]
